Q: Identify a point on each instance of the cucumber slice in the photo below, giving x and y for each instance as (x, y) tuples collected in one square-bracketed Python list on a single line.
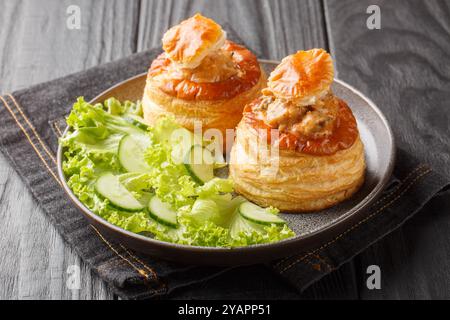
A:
[(182, 141), (131, 153), (108, 186), (137, 121), (259, 215), (216, 149), (200, 164), (162, 212), (219, 161)]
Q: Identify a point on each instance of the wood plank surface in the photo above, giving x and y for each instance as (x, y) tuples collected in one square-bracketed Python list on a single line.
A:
[(405, 68), (37, 46), (272, 28), (405, 65)]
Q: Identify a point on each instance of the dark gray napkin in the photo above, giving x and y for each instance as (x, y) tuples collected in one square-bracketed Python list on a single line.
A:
[(32, 120), (411, 187)]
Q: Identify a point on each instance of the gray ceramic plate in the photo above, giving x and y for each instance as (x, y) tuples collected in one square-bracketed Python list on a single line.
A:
[(311, 229)]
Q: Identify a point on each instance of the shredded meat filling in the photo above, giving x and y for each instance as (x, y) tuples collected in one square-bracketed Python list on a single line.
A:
[(314, 121), (216, 67)]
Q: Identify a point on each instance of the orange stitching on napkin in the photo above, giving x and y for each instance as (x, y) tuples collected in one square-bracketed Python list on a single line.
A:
[(58, 130), (32, 127), (418, 168), (139, 261), (359, 223), (323, 261), (52, 157), (163, 285), (31, 142), (139, 271), (315, 266), (318, 266)]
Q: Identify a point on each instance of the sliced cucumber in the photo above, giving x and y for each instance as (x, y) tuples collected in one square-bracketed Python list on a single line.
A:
[(199, 163), (162, 212), (219, 161), (258, 215), (216, 149), (108, 186), (131, 153), (137, 121), (182, 141)]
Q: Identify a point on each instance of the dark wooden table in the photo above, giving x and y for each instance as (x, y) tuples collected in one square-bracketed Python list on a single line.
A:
[(405, 64)]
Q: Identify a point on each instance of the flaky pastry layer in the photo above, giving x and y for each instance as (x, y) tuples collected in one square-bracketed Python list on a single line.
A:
[(248, 73), (303, 77), (217, 114), (298, 182), (189, 42)]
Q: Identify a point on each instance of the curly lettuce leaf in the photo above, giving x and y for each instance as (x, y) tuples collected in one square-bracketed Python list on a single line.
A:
[(97, 119), (244, 232), (207, 214)]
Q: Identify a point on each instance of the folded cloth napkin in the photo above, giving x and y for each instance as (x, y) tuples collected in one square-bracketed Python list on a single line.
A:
[(32, 121)]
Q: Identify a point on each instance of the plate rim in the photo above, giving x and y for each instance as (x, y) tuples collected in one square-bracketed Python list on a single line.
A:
[(351, 213)]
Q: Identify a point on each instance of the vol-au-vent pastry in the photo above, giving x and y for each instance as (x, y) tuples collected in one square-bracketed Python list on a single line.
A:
[(201, 77), (319, 159)]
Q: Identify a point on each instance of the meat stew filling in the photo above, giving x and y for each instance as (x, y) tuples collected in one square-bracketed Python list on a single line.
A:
[(217, 66), (313, 121)]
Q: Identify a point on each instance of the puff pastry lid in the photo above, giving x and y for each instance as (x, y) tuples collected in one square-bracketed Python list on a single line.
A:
[(200, 64), (303, 77), (192, 40)]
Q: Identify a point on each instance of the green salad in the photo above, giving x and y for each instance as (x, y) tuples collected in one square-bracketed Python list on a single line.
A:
[(145, 180)]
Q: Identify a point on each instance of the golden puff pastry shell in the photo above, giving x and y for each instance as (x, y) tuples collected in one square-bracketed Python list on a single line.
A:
[(248, 75), (217, 114), (298, 182)]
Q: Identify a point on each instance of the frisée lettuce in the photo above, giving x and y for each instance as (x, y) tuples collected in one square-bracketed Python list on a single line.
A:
[(207, 212)]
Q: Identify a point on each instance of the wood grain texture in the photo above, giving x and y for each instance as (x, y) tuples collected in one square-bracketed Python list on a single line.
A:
[(272, 28), (37, 46), (405, 69)]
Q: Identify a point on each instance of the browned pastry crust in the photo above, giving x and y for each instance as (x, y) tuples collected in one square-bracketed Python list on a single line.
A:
[(201, 77), (303, 76), (245, 73), (190, 41), (316, 157), (220, 114), (302, 182)]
